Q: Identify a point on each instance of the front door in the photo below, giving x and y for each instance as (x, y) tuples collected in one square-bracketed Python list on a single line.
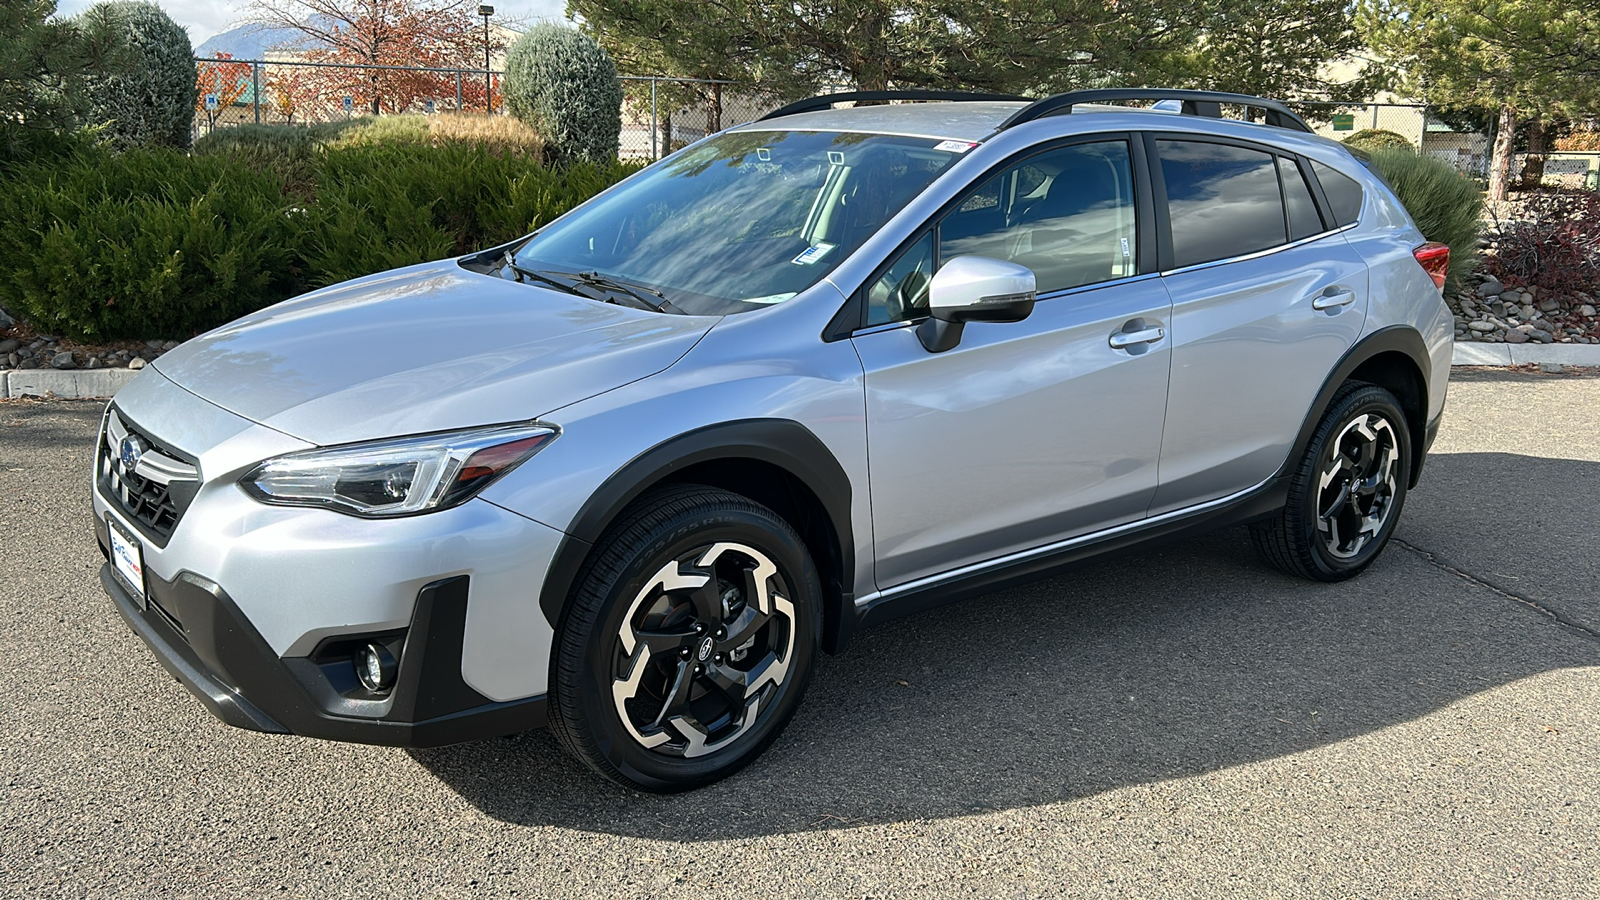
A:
[(1027, 432)]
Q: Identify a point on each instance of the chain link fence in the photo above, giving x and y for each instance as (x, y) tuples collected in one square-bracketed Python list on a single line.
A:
[(661, 114), (292, 92)]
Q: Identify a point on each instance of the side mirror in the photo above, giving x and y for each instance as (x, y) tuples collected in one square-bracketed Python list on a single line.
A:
[(974, 289)]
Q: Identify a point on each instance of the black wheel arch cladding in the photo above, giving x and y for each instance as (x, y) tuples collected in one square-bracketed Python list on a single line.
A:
[(734, 447)]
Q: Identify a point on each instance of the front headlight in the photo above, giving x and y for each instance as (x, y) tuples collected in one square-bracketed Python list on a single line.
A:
[(399, 476)]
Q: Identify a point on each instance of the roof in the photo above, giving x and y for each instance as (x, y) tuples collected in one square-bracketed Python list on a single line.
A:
[(964, 121)]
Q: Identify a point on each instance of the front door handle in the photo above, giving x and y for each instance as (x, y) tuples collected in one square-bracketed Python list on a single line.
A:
[(1330, 301), (1125, 339)]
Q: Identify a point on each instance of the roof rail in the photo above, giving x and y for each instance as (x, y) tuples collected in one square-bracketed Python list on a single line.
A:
[(1195, 103), (826, 101)]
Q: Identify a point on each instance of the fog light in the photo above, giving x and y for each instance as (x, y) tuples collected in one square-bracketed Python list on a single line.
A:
[(375, 667)]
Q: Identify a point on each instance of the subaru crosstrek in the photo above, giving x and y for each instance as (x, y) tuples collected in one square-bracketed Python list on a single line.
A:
[(630, 475)]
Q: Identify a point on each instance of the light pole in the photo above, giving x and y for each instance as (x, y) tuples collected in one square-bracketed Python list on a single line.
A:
[(486, 11)]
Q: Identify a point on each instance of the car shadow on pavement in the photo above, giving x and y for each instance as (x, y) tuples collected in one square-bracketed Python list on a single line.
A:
[(1159, 665)]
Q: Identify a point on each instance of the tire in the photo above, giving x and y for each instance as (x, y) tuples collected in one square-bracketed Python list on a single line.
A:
[(1327, 531), (688, 641)]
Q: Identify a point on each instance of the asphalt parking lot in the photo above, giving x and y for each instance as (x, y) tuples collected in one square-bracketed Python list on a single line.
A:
[(1183, 722)]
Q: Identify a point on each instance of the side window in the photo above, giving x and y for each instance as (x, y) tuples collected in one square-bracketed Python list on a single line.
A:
[(901, 293), (1303, 218), (1343, 192), (1223, 200), (1067, 214)]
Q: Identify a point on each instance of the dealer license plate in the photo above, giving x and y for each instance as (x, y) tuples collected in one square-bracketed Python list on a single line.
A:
[(127, 559)]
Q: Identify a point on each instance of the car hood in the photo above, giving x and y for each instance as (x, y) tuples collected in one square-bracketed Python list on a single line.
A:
[(427, 348)]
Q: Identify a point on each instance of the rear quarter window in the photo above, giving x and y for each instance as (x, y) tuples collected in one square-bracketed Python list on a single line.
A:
[(1343, 192)]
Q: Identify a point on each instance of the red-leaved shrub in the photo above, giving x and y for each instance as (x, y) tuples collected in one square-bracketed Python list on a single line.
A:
[(1551, 241)]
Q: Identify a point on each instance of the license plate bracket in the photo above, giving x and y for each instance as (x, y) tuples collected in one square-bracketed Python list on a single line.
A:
[(127, 560)]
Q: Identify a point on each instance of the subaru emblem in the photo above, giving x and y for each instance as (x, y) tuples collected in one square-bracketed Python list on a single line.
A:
[(130, 451)]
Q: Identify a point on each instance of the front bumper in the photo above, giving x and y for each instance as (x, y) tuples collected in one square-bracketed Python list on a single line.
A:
[(218, 655)]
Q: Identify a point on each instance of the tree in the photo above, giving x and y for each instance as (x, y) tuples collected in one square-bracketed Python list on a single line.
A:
[(1002, 45), (148, 100), (1491, 54), (44, 62), (1269, 48), (423, 33)]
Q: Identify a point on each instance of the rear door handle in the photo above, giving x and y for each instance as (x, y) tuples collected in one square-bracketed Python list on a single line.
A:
[(1125, 339), (1329, 301)]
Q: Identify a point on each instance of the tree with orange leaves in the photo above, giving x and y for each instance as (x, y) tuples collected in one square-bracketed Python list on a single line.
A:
[(424, 33), (228, 80)]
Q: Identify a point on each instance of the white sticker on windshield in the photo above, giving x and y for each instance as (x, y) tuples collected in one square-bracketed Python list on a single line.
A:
[(954, 146), (813, 253), (770, 298), (1125, 252)]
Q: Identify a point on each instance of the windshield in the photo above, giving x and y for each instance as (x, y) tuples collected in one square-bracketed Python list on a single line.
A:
[(744, 220)]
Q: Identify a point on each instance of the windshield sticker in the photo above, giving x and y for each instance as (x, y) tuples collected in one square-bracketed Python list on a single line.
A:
[(813, 254), (770, 298), (954, 146)]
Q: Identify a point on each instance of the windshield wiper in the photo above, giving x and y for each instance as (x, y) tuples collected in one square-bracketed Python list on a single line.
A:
[(510, 262), (636, 291)]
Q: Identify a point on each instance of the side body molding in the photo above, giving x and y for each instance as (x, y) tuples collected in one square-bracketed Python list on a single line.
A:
[(781, 443)]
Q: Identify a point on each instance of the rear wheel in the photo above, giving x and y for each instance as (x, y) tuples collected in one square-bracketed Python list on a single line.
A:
[(688, 642), (1346, 495)]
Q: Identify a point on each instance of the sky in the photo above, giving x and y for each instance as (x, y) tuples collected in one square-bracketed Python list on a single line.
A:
[(205, 18)]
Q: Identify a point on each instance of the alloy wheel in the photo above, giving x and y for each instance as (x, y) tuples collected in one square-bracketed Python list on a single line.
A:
[(703, 648), (1356, 488)]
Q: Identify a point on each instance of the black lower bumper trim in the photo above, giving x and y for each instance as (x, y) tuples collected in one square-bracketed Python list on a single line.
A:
[(225, 662)]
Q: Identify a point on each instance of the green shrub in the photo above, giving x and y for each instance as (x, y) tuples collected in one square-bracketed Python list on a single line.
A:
[(288, 152), (1373, 140), (384, 206), (149, 100), (563, 84), (144, 244), (156, 243), (1442, 201)]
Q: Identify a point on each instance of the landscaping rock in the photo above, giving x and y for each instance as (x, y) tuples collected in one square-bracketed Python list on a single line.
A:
[(1586, 310), (1490, 289), (1525, 311), (1516, 337), (1551, 368), (1543, 337), (1510, 297), (93, 363), (63, 360), (1481, 327), (9, 345), (137, 363), (6, 321), (1548, 305), (170, 345)]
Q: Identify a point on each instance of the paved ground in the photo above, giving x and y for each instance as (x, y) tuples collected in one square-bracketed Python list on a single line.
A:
[(1178, 723)]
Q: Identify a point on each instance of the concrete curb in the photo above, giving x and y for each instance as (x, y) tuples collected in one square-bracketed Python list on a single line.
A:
[(64, 384), (1477, 353)]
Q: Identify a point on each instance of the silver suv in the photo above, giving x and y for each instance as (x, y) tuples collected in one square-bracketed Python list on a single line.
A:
[(631, 474)]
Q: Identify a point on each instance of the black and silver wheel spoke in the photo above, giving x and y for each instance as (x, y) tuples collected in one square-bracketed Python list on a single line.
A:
[(703, 645), (1356, 485)]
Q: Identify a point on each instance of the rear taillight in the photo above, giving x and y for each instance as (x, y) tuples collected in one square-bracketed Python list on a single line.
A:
[(1434, 258)]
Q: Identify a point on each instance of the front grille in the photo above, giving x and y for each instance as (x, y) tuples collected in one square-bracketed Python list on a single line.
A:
[(152, 483)]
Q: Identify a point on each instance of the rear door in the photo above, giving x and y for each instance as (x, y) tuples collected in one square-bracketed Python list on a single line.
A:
[(1267, 297)]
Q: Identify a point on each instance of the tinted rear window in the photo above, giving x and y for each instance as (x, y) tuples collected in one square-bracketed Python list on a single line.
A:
[(1343, 192), (1224, 201), (1303, 218)]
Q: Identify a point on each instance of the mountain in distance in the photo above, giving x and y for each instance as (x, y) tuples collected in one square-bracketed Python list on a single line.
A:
[(248, 41)]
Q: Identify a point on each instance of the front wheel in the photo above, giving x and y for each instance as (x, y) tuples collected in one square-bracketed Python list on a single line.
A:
[(688, 642), (1346, 495)]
